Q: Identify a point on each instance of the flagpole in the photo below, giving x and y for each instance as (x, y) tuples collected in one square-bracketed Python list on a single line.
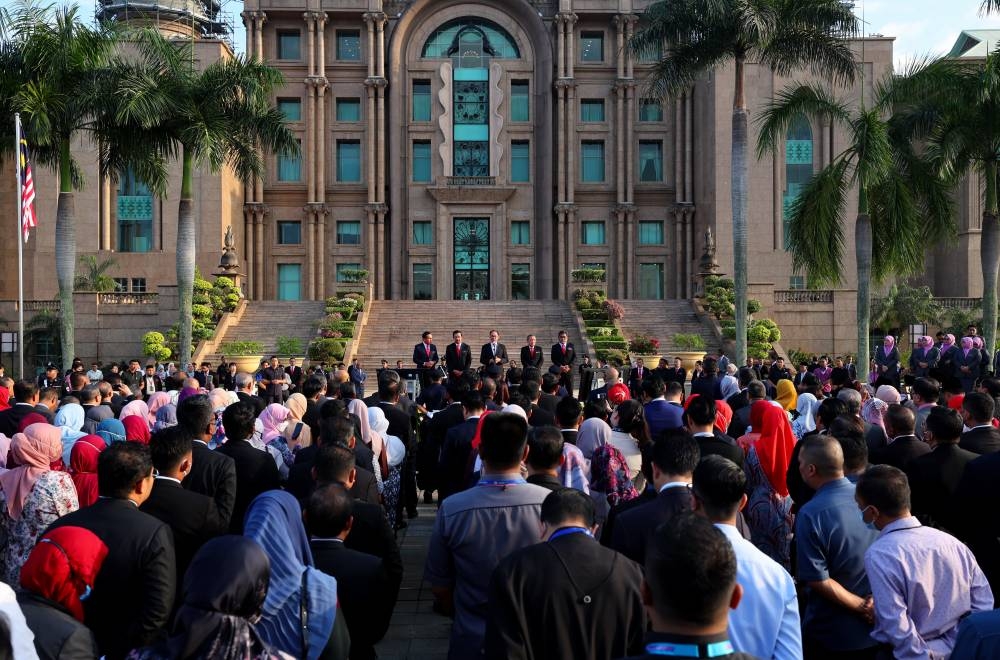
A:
[(20, 248)]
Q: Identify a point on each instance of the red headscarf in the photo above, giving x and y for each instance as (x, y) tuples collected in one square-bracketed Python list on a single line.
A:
[(29, 419), (136, 429), (477, 438), (775, 445), (4, 398), (62, 565), (83, 467), (723, 413)]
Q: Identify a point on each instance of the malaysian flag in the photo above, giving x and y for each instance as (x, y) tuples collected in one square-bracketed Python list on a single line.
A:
[(28, 219)]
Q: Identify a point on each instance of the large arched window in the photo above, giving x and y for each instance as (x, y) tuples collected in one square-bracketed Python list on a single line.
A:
[(798, 164), (471, 38)]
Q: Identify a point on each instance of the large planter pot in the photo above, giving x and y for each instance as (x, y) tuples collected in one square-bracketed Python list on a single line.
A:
[(648, 361), (688, 358), (247, 363)]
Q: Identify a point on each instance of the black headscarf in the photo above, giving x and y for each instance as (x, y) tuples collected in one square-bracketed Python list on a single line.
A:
[(224, 591)]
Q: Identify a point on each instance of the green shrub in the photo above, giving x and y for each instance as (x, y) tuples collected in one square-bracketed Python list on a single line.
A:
[(594, 315), (601, 332), (611, 355), (201, 299), (688, 342), (201, 285), (588, 274), (154, 346), (327, 350), (201, 311), (289, 345), (241, 347), (583, 305), (598, 323)]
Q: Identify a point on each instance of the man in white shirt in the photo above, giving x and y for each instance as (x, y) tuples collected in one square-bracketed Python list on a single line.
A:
[(766, 624), (95, 374)]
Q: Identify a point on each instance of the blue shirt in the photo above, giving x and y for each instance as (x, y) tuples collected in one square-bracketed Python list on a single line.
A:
[(831, 540), (760, 626)]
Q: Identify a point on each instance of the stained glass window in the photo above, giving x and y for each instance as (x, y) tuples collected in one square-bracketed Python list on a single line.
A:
[(445, 41), (798, 165)]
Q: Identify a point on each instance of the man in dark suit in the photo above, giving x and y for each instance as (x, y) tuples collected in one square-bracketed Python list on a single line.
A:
[(454, 465), (903, 446), (493, 355), (531, 355), (710, 384), (979, 529), (742, 398), (134, 592), (457, 356), (256, 471), (212, 473), (778, 371), (741, 418), (635, 378), (548, 399), (587, 595), (568, 417), (204, 376), (700, 416), (977, 413), (25, 398), (661, 405), (294, 372), (934, 477), (244, 392), (674, 458), (425, 355), (537, 416), (336, 430), (563, 355), (434, 431), (545, 456), (48, 402), (610, 380), (676, 374), (193, 517), (363, 588)]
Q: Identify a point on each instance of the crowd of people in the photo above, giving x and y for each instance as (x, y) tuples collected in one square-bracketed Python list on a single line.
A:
[(740, 512)]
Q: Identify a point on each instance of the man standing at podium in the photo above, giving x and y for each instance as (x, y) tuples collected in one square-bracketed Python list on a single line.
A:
[(425, 356), (457, 357), (493, 355), (531, 355)]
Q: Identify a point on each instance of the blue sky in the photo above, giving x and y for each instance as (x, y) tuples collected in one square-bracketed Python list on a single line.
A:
[(921, 27)]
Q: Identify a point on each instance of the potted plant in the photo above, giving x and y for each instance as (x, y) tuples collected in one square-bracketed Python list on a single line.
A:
[(647, 348), (246, 354), (689, 348), (289, 347)]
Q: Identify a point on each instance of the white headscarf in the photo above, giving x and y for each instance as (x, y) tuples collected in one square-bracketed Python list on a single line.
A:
[(395, 449), (806, 421)]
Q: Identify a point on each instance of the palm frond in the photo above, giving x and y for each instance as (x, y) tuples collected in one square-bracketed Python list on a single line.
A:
[(990, 6), (790, 103), (810, 34), (815, 232), (871, 149)]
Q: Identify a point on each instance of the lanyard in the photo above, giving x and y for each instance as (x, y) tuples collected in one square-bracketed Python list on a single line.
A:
[(714, 650), (566, 531), (503, 483)]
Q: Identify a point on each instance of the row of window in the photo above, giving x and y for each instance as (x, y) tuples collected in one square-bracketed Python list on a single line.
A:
[(130, 284), (348, 47), (348, 162)]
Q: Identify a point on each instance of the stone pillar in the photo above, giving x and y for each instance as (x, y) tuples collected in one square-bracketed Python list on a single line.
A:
[(310, 20), (319, 140), (322, 254), (563, 258), (309, 148), (259, 264), (688, 147), (620, 138), (311, 255), (370, 139), (678, 231), (108, 198)]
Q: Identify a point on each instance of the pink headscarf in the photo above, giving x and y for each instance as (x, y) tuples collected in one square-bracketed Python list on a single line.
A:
[(33, 451), (977, 342), (966, 345), (927, 342), (370, 438), (156, 400), (888, 343), (137, 408), (888, 394), (271, 419), (949, 341)]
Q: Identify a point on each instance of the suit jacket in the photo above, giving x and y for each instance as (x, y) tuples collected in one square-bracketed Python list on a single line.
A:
[(256, 401), (709, 387), (570, 437), (662, 415), (635, 527), (738, 401), (934, 480), (364, 592), (973, 361), (539, 416), (134, 591), (722, 445), (157, 384), (486, 355), (548, 402), (561, 357), (256, 472), (205, 380), (57, 633), (901, 451), (457, 359), (455, 458), (740, 422), (550, 582), (213, 474), (635, 380), (295, 374), (420, 355), (875, 438), (11, 418), (44, 411), (673, 375), (981, 483), (193, 519), (981, 440), (527, 360), (399, 422)]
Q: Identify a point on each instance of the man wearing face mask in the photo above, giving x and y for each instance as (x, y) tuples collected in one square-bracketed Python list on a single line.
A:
[(832, 539)]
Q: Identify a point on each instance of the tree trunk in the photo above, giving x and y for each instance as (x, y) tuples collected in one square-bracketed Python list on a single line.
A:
[(863, 254), (739, 202), (990, 257), (66, 256), (185, 261)]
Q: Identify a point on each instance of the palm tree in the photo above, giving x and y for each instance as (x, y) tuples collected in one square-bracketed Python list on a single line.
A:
[(95, 275), (902, 204), (990, 6), (50, 61), (221, 116), (784, 35)]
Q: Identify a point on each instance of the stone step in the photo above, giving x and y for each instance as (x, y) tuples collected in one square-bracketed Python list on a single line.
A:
[(662, 319)]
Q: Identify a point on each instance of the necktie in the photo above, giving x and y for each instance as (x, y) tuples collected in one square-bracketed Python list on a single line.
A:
[(428, 348), (494, 349), (563, 347), (532, 351)]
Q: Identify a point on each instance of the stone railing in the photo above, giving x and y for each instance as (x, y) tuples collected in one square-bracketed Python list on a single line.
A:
[(41, 305), (802, 296), (128, 298), (471, 180)]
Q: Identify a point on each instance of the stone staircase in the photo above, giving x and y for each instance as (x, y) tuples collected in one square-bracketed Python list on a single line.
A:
[(266, 320), (395, 326), (662, 319)]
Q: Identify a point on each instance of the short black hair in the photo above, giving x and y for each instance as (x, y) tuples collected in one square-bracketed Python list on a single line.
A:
[(502, 440), (900, 418), (674, 389), (531, 373), (945, 424), (719, 484), (312, 386), (194, 414), (566, 504), (744, 375), (337, 430), (24, 390), (238, 420), (388, 389), (120, 467), (530, 389), (545, 447), (90, 394), (979, 406), (653, 387), (700, 410), (48, 393), (328, 510), (992, 386), (332, 408), (690, 570), (849, 431), (550, 383), (596, 408), (334, 463), (886, 488), (675, 453), (568, 411), (77, 380), (473, 400), (168, 447), (829, 409), (756, 390), (928, 389)]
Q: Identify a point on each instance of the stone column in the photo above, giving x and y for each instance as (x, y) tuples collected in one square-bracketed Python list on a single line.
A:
[(309, 148), (620, 138), (319, 140), (321, 246), (108, 197), (310, 255), (562, 260), (259, 257), (689, 147), (310, 20)]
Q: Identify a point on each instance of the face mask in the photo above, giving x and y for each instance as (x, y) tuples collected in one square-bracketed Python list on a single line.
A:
[(869, 525)]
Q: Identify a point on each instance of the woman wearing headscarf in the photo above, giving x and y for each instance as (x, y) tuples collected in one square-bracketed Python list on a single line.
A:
[(873, 410), (769, 449), (136, 429), (136, 408), (295, 587), (924, 357), (805, 421), (69, 419), (83, 467), (396, 451), (297, 433), (787, 396), (887, 361), (156, 401), (111, 430), (729, 386), (380, 464), (593, 433), (629, 435), (32, 495), (273, 422), (4, 398), (610, 480), (225, 588), (166, 416), (55, 579), (887, 393), (980, 345)]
